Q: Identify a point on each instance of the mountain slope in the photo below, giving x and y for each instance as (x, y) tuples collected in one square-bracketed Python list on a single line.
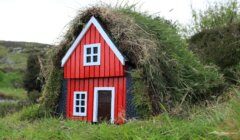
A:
[(13, 55)]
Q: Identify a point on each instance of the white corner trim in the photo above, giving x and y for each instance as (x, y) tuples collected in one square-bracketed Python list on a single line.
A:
[(93, 21), (95, 102), (74, 105)]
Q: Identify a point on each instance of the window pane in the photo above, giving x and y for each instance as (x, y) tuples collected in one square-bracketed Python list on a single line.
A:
[(95, 58), (77, 109), (82, 96), (95, 50), (77, 96), (88, 50), (77, 102), (88, 59), (82, 103), (82, 109)]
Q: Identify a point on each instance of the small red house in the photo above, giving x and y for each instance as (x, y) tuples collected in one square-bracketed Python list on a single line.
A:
[(95, 74)]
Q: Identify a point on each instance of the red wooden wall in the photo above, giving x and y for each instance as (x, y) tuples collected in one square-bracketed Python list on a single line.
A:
[(88, 85), (110, 64)]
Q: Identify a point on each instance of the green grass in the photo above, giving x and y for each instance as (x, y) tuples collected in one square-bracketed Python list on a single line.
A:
[(12, 93), (19, 59), (13, 55), (221, 121), (3, 51), (10, 79), (9, 107), (10, 85)]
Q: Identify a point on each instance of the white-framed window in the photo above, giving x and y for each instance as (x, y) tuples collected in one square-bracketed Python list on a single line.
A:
[(80, 103), (91, 55)]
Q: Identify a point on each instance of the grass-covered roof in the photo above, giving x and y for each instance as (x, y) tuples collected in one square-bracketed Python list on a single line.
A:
[(165, 72)]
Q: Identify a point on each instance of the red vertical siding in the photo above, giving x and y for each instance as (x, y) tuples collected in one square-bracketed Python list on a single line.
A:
[(88, 41), (110, 73), (109, 64), (92, 39), (97, 39), (88, 85)]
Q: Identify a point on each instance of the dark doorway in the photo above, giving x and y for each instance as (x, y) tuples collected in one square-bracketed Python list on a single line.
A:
[(104, 105)]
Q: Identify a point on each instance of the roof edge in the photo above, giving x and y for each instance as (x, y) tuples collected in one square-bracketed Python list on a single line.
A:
[(93, 21)]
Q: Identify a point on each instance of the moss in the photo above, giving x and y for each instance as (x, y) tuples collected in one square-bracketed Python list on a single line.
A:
[(140, 97), (52, 91)]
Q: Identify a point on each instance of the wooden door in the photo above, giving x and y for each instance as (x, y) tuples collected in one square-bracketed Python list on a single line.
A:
[(104, 105)]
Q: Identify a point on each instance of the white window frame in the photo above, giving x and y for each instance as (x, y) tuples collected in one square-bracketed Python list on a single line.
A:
[(74, 103), (85, 55), (95, 102)]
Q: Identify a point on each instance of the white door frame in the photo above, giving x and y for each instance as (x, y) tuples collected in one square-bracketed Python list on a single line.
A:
[(95, 102)]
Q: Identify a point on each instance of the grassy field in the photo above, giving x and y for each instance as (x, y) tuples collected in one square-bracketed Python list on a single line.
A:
[(12, 93), (13, 55), (10, 86), (13, 60), (221, 121)]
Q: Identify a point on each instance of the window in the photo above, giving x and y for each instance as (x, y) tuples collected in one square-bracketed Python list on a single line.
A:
[(80, 103), (91, 54)]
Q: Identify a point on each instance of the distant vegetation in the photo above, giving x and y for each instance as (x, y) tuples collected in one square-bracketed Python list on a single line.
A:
[(13, 62), (217, 38), (33, 80), (13, 55)]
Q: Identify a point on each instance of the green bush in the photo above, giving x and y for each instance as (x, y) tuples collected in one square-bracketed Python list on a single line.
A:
[(33, 112), (217, 37), (218, 15), (233, 74), (220, 46), (34, 96), (1, 76), (33, 80)]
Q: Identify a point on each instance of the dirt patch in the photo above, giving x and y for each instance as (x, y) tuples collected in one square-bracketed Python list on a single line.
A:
[(4, 96)]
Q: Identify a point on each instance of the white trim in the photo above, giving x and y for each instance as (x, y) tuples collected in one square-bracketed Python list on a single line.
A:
[(74, 105), (95, 102), (85, 63), (93, 21)]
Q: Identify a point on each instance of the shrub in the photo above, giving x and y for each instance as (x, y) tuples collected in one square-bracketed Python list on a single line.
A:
[(220, 14), (217, 39), (31, 78), (1, 75), (219, 45), (32, 112), (33, 96)]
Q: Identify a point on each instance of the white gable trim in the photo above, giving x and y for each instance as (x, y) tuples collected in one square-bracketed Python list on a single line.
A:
[(93, 21)]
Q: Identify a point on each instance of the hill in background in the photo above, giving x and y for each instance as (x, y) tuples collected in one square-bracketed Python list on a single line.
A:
[(13, 61), (13, 55)]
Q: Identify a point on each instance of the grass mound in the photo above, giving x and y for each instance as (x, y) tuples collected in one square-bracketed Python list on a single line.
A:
[(163, 68)]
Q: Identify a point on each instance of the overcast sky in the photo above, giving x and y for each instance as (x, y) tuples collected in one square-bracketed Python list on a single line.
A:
[(45, 20)]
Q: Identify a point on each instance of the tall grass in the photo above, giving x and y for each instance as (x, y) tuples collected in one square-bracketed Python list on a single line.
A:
[(221, 121)]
